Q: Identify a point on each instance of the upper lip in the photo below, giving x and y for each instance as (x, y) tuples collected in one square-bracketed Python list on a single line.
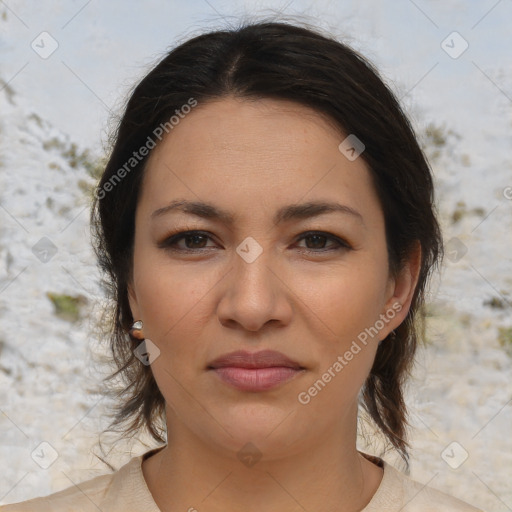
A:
[(262, 359)]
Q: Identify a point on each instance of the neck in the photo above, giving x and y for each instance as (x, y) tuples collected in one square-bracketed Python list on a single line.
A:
[(330, 475)]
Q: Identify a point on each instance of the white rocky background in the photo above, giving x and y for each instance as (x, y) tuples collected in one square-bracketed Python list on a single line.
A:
[(52, 109)]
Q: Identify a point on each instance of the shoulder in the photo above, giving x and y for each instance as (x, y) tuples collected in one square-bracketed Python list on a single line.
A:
[(84, 496), (125, 489), (399, 492)]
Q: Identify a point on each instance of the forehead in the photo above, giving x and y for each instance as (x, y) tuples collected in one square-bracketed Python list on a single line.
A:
[(254, 153), (250, 125)]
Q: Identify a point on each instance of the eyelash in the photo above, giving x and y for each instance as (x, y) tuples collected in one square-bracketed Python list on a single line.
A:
[(170, 242)]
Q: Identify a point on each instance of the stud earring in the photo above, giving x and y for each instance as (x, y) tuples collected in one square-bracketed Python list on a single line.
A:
[(136, 330)]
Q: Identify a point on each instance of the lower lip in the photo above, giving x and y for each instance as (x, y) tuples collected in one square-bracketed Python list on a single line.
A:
[(256, 379)]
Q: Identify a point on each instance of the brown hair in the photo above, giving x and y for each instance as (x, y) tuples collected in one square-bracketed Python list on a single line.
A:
[(281, 61)]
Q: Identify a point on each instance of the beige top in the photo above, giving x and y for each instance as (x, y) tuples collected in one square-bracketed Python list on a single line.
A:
[(126, 491)]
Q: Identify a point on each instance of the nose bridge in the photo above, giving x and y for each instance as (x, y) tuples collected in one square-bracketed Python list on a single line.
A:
[(253, 277), (253, 262), (254, 294)]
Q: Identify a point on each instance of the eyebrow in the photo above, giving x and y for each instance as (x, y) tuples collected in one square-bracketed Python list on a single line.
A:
[(286, 213)]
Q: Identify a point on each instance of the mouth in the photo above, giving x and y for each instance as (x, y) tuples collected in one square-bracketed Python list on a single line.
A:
[(257, 371)]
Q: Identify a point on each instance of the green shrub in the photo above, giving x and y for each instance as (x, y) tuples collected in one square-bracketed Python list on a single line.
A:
[(67, 307)]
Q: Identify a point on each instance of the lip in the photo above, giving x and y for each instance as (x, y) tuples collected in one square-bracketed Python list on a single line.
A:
[(255, 371), (261, 359)]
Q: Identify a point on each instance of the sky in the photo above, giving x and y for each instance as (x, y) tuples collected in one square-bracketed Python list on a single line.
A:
[(103, 48)]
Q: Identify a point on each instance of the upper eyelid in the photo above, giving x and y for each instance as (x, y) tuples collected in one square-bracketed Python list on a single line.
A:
[(180, 235)]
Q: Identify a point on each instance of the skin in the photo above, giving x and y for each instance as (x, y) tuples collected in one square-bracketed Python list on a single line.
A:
[(251, 158)]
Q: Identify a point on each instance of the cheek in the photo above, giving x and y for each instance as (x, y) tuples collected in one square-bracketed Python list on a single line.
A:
[(347, 301), (337, 303), (348, 307), (174, 302), (345, 355), (170, 299)]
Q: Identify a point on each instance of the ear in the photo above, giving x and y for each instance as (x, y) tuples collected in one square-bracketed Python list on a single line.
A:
[(132, 299), (401, 291)]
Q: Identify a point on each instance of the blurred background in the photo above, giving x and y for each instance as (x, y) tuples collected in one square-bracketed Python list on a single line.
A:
[(65, 71)]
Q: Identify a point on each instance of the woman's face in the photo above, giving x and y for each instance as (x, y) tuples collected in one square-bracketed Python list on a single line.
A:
[(252, 279)]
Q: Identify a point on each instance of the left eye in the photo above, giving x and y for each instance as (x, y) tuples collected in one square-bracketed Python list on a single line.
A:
[(319, 239), (196, 240)]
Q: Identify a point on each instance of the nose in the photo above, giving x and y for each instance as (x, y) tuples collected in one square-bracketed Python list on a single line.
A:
[(254, 295)]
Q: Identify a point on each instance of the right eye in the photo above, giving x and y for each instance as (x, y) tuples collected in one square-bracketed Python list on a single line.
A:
[(194, 241)]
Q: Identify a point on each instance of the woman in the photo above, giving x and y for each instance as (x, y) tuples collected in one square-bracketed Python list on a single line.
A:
[(266, 222)]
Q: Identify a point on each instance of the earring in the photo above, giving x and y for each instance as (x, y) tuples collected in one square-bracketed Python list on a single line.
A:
[(136, 330)]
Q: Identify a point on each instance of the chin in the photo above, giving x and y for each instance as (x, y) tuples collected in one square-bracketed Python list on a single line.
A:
[(269, 428)]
